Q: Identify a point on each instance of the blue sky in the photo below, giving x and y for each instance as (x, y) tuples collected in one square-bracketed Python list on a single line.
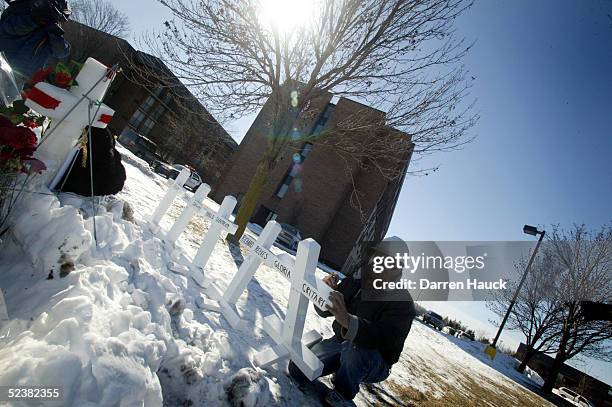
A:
[(544, 147), (544, 89)]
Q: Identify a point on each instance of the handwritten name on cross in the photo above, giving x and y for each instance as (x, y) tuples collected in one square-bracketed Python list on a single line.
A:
[(316, 290)]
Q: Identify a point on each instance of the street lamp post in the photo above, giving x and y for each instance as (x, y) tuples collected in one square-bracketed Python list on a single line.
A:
[(530, 230)]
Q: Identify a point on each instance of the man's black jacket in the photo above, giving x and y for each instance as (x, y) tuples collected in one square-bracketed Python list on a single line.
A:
[(380, 325)]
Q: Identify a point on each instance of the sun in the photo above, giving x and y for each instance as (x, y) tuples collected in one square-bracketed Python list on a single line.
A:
[(287, 15)]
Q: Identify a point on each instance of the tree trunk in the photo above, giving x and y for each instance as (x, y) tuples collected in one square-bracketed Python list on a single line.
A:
[(250, 199), (551, 379), (529, 353)]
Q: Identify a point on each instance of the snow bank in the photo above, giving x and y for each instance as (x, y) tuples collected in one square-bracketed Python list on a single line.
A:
[(54, 237), (107, 352)]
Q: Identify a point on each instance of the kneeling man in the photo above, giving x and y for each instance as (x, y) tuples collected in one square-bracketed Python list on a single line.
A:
[(369, 333)]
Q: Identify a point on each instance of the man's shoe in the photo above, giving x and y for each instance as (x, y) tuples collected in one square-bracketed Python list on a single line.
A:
[(335, 399)]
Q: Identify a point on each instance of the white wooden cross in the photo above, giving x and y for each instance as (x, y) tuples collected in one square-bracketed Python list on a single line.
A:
[(305, 287), (289, 333), (76, 109), (174, 187), (188, 213), (219, 222)]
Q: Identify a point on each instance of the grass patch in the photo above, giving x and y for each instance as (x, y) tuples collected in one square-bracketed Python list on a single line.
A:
[(470, 394)]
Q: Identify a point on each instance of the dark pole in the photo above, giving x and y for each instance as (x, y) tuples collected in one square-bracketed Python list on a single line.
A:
[(518, 289)]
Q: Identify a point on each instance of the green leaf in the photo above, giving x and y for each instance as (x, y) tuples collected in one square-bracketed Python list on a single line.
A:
[(61, 67)]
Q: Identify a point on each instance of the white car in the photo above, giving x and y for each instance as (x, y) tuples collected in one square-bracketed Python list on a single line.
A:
[(449, 330), (194, 181), (574, 398), (465, 335)]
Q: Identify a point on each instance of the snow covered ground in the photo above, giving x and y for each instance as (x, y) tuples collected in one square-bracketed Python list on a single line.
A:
[(121, 329)]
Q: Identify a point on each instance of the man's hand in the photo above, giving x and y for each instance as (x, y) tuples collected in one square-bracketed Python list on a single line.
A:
[(331, 280), (338, 308)]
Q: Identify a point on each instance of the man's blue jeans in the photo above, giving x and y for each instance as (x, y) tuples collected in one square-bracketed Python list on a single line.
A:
[(351, 364)]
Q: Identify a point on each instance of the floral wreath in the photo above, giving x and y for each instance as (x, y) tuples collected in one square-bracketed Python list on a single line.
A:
[(17, 140)]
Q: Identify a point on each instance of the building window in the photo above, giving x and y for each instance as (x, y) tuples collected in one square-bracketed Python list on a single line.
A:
[(157, 112), (322, 121), (147, 126), (137, 118), (306, 150), (148, 103), (294, 169), (148, 113), (298, 159), (282, 190)]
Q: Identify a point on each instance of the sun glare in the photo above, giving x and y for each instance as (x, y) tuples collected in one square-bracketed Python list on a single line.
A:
[(286, 15)]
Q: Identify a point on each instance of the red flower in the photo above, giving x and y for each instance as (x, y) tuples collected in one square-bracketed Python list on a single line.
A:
[(30, 123), (25, 152), (62, 80), (7, 155), (39, 76), (18, 138)]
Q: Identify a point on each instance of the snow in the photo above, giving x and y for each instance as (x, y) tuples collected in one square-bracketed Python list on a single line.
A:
[(123, 326)]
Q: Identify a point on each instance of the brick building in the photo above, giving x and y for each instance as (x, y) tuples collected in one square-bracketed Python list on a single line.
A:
[(316, 197), (158, 107)]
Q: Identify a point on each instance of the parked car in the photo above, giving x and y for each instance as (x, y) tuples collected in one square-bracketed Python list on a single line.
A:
[(574, 398), (138, 144), (465, 335), (449, 330), (163, 169), (289, 236), (194, 181), (433, 319)]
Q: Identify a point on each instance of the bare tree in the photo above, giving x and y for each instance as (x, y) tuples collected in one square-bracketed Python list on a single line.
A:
[(105, 20), (101, 15), (399, 56), (536, 311), (572, 267), (192, 138), (583, 267)]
